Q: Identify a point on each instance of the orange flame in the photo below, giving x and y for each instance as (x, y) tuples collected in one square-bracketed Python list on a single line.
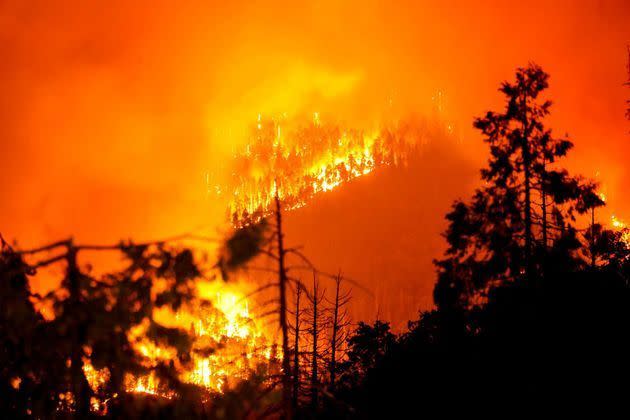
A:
[(239, 344), (301, 160)]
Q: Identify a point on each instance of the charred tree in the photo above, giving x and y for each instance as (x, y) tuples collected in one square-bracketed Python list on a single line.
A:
[(339, 324), (251, 239), (316, 327), (628, 84), (527, 159), (296, 351), (282, 286)]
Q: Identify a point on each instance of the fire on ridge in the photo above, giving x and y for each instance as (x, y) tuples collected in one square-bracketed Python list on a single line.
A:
[(302, 158)]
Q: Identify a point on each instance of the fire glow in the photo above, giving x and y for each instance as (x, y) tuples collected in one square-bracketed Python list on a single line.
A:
[(300, 160), (622, 227), (240, 344)]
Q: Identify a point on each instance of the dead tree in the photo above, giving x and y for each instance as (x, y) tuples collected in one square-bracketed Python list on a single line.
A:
[(339, 324), (628, 84), (296, 351), (282, 282), (252, 238), (317, 325)]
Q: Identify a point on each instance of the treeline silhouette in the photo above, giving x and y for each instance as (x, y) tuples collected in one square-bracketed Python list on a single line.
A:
[(532, 309)]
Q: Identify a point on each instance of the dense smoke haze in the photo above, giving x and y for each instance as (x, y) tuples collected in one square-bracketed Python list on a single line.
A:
[(115, 117)]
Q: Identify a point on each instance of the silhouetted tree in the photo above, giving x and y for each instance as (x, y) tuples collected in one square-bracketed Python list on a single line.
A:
[(296, 349), (28, 365), (628, 84), (282, 282), (339, 323), (260, 237), (92, 318), (317, 326), (505, 233), (366, 348)]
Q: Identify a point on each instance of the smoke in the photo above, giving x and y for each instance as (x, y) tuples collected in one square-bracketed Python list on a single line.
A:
[(114, 114)]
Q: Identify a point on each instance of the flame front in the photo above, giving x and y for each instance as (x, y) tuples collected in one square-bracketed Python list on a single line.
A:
[(622, 227), (299, 160), (239, 344)]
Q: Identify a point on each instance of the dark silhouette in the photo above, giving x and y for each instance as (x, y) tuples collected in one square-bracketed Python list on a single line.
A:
[(628, 84), (296, 350), (340, 322), (246, 243), (519, 224), (529, 318), (92, 320), (532, 312), (282, 286), (315, 317)]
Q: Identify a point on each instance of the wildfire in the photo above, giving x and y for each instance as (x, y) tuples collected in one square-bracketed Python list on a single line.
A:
[(622, 227), (299, 160), (617, 224), (238, 342)]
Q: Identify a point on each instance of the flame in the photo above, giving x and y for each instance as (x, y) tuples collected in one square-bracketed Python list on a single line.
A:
[(622, 227), (239, 344), (617, 224), (300, 160)]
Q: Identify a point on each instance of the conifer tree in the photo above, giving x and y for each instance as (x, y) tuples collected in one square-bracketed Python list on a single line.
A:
[(519, 224)]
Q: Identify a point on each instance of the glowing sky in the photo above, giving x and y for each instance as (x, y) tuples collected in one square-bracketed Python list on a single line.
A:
[(112, 113)]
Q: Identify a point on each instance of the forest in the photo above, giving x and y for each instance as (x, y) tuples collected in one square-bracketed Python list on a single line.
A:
[(531, 309)]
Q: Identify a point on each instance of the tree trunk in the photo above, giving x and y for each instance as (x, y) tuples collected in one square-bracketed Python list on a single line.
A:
[(544, 206), (80, 386), (333, 349), (282, 280), (528, 209), (593, 256), (314, 379), (296, 352)]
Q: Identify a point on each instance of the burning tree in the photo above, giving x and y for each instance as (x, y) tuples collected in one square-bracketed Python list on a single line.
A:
[(140, 338), (95, 320), (265, 238), (519, 224), (296, 159), (255, 238)]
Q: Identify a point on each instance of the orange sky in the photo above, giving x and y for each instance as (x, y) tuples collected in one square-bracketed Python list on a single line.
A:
[(113, 112)]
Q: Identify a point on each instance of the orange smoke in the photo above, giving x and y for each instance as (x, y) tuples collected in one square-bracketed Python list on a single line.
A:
[(114, 118)]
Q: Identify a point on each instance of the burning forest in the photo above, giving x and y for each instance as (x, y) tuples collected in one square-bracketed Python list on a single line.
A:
[(323, 210), (298, 159)]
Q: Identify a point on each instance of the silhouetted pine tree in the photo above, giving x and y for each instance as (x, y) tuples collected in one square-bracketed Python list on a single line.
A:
[(367, 345), (519, 223)]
